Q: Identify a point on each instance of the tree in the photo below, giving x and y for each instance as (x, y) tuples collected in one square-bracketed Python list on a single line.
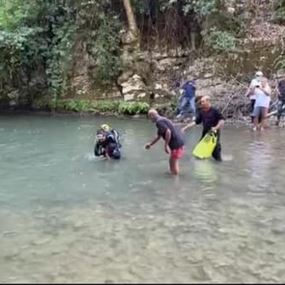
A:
[(133, 34)]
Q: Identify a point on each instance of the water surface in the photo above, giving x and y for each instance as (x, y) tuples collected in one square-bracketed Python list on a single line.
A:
[(66, 216)]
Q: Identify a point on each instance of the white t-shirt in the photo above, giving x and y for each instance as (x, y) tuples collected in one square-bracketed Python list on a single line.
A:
[(262, 100), (254, 82)]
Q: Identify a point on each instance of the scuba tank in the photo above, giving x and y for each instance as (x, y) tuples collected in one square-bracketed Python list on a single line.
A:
[(114, 139)]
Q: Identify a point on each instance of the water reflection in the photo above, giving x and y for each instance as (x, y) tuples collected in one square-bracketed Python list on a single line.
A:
[(205, 171), (260, 157)]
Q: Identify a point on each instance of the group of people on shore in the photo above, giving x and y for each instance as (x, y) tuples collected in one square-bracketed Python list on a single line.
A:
[(259, 92)]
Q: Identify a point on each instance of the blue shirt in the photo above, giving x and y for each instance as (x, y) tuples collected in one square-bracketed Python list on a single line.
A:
[(189, 90)]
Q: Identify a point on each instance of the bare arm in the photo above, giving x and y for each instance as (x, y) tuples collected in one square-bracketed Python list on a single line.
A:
[(154, 141), (167, 136), (189, 126), (266, 90), (219, 125), (248, 92), (106, 153), (178, 124), (167, 140)]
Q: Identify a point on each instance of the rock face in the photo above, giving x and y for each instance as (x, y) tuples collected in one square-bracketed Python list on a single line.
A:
[(223, 77), (13, 98), (150, 78), (134, 88)]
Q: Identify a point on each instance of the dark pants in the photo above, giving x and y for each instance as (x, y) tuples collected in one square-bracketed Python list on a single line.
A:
[(280, 110), (252, 103), (217, 153)]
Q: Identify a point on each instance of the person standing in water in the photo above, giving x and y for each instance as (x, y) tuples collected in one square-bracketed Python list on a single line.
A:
[(251, 91), (212, 120), (173, 138), (261, 106)]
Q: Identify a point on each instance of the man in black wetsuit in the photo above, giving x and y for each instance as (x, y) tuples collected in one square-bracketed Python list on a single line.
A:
[(107, 143)]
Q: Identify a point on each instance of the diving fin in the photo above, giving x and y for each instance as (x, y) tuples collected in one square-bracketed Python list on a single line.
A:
[(206, 146)]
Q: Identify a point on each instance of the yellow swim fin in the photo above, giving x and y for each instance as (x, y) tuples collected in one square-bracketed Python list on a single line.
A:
[(205, 147)]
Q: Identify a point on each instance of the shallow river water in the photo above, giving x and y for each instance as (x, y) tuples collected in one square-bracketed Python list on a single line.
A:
[(66, 216)]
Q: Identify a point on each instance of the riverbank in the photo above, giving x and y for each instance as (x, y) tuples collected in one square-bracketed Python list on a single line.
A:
[(236, 122)]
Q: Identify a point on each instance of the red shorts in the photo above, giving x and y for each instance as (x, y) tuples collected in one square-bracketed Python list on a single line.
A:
[(177, 153)]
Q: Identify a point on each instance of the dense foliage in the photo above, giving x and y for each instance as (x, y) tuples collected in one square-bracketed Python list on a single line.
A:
[(38, 38)]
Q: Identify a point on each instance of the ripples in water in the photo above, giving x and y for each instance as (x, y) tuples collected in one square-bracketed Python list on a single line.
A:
[(68, 217)]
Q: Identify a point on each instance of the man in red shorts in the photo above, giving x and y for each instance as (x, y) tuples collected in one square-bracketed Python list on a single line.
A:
[(174, 143)]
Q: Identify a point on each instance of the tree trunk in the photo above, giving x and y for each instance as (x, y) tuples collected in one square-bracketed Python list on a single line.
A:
[(131, 17), (193, 40)]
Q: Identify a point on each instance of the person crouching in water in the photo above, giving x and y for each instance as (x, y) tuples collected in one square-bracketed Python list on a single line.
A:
[(174, 143), (107, 143), (212, 120)]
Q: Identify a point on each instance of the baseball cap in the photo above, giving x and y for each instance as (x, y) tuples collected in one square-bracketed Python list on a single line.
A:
[(105, 127), (259, 73)]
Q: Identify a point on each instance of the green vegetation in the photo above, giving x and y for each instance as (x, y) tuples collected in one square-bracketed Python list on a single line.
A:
[(220, 41), (88, 106), (42, 43), (279, 11)]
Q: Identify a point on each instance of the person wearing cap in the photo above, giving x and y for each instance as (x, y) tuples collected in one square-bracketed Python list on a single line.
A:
[(212, 120), (251, 91), (261, 105), (107, 143), (187, 100)]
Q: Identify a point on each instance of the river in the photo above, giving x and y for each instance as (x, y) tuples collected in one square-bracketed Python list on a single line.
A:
[(68, 217)]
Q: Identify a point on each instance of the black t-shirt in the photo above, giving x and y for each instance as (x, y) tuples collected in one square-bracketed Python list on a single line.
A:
[(176, 140), (209, 119)]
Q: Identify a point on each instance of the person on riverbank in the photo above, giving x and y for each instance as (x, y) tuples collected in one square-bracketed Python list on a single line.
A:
[(187, 100), (261, 105), (173, 139), (281, 99), (212, 120), (251, 91), (107, 143)]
